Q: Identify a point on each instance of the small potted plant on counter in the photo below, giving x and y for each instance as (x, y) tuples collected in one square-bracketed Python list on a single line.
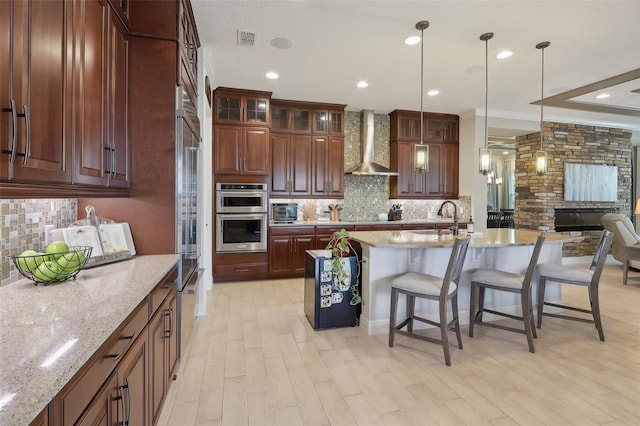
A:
[(341, 248)]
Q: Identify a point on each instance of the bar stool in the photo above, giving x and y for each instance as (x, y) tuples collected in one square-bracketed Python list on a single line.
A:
[(494, 219), (443, 290), (587, 277), (493, 279)]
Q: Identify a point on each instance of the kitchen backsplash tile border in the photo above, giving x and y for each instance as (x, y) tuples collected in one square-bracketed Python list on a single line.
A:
[(22, 227)]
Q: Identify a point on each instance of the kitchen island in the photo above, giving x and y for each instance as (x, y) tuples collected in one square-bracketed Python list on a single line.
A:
[(388, 254), (48, 333)]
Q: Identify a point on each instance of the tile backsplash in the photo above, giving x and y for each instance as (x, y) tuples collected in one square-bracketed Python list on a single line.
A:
[(22, 227)]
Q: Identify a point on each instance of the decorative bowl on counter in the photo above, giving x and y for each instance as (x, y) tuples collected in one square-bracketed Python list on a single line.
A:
[(53, 267)]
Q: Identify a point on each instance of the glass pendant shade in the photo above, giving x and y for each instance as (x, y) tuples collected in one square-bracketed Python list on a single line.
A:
[(485, 161), (421, 157), (541, 163)]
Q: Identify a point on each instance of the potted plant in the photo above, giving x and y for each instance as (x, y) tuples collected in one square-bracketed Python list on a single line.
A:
[(341, 248)]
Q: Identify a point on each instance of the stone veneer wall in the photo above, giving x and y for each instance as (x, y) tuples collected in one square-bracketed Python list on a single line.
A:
[(22, 228), (538, 196), (366, 196)]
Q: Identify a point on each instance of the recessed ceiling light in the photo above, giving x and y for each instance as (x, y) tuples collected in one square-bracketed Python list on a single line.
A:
[(433, 92), (504, 54), (603, 96), (362, 84), (505, 152), (412, 40), (272, 75), (281, 43)]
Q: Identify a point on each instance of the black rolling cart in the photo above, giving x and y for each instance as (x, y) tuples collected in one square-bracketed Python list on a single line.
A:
[(327, 305)]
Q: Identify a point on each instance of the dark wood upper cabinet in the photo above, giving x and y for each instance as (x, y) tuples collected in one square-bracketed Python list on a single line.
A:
[(241, 150), (189, 44), (290, 117), (307, 165), (101, 90), (37, 101), (290, 165), (328, 166), (236, 106), (241, 132), (328, 121), (67, 99), (441, 134)]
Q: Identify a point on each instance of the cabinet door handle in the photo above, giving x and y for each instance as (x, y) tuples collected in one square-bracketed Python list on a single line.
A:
[(114, 162), (125, 409), (14, 130), (27, 132), (167, 331), (171, 321), (120, 397), (109, 160)]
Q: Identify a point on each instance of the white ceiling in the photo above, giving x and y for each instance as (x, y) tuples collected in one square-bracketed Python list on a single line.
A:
[(338, 43)]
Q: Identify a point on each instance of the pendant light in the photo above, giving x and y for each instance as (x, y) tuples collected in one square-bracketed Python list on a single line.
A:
[(421, 151), (541, 155), (484, 153)]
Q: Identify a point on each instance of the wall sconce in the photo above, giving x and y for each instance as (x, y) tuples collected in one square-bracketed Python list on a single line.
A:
[(638, 207), (421, 151), (541, 155), (484, 153)]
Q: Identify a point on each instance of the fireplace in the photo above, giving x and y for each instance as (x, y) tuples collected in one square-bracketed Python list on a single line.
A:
[(580, 219)]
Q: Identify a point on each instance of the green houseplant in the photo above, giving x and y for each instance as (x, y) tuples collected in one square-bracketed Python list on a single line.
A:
[(340, 247)]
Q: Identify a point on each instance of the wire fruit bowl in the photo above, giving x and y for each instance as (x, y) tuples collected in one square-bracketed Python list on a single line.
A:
[(53, 267)]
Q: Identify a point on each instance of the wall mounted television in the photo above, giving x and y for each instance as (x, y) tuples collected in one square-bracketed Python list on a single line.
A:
[(590, 182)]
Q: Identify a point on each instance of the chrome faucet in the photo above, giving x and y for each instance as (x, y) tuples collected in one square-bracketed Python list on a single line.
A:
[(454, 228)]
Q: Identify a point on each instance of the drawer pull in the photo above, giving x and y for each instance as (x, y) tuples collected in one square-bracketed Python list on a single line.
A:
[(126, 347)]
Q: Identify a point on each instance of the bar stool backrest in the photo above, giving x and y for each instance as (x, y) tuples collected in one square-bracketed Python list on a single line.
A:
[(526, 284), (454, 268)]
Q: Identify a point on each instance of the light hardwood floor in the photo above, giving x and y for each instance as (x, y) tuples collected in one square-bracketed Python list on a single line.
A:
[(254, 359)]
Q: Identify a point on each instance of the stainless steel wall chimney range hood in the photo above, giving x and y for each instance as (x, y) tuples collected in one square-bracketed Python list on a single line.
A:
[(368, 166)]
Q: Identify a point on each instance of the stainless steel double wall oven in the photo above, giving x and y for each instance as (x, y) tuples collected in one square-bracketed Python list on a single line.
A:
[(241, 217)]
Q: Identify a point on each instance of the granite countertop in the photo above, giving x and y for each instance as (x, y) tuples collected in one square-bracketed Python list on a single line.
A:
[(38, 320), (369, 222), (495, 237)]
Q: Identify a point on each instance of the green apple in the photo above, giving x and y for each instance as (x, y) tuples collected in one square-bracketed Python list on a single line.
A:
[(57, 248), (70, 262), (29, 260), (47, 271)]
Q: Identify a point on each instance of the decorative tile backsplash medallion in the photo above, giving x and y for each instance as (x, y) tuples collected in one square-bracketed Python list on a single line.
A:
[(22, 228)]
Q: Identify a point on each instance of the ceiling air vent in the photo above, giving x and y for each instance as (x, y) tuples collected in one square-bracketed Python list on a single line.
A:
[(246, 38)]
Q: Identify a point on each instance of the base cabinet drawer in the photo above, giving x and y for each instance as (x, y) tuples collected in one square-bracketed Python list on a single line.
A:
[(241, 271)]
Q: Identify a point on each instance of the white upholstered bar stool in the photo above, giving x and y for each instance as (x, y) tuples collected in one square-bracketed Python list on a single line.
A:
[(570, 274), (493, 279), (443, 290)]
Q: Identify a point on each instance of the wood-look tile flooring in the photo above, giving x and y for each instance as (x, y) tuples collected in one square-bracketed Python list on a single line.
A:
[(254, 359)]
